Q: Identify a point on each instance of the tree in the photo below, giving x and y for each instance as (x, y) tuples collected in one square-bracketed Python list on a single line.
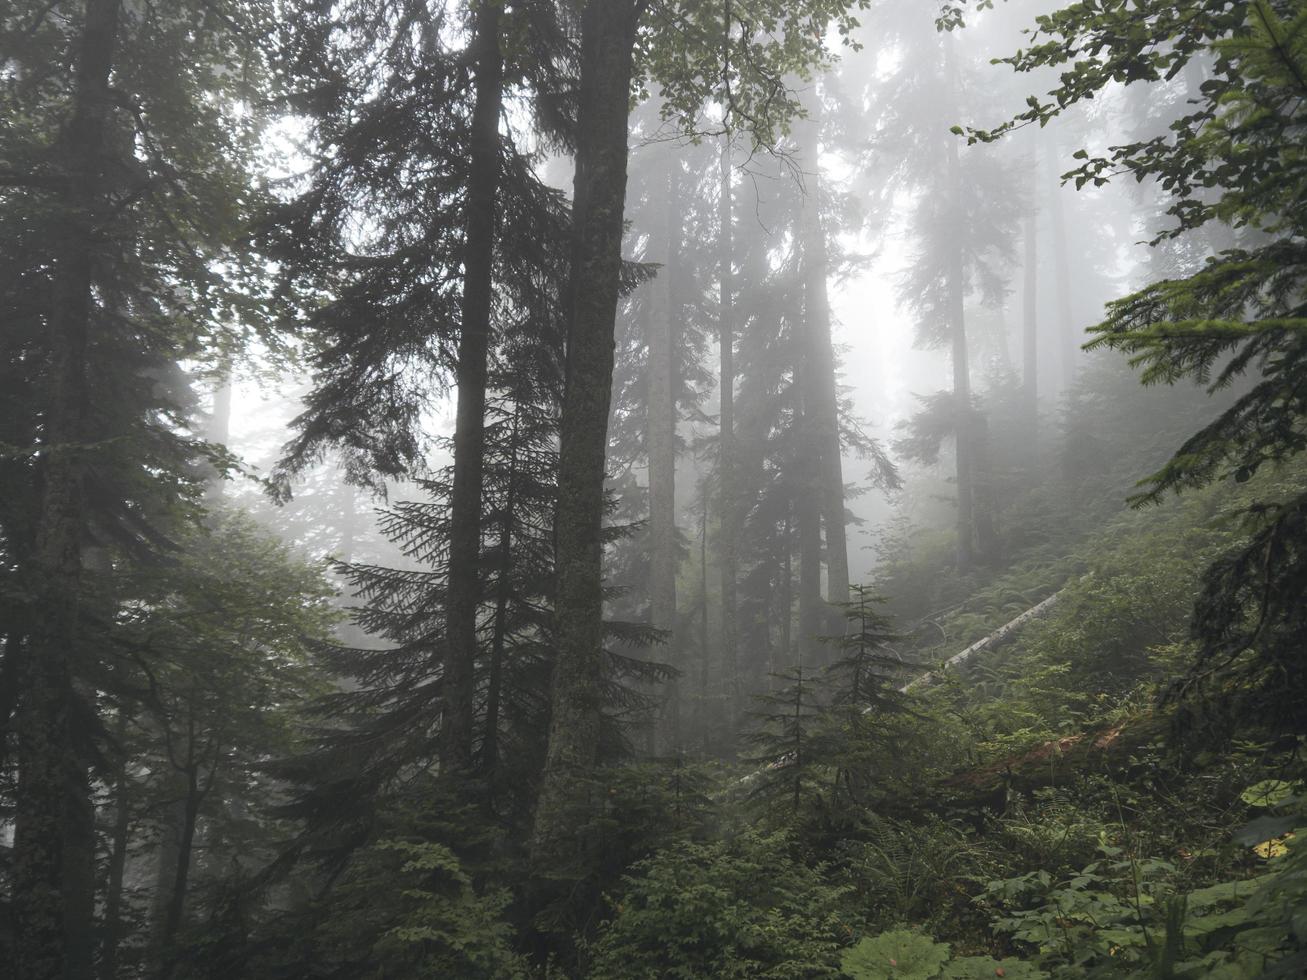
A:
[(125, 188), (1230, 160), (964, 229), (747, 81)]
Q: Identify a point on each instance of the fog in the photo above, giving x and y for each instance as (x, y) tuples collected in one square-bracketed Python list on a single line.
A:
[(635, 488)]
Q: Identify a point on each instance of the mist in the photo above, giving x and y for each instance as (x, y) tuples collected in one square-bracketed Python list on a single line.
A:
[(651, 489)]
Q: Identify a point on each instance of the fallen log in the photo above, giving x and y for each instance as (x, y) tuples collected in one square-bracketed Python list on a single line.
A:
[(996, 638)]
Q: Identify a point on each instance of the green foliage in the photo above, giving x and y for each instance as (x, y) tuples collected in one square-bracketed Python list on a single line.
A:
[(911, 955), (1234, 159), (922, 870), (408, 908), (741, 56), (744, 908), (899, 953)]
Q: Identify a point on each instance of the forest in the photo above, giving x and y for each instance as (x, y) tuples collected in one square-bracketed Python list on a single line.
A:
[(640, 489)]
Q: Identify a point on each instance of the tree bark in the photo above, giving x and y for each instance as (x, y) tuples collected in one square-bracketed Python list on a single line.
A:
[(49, 788), (464, 580), (661, 436), (607, 41), (727, 463)]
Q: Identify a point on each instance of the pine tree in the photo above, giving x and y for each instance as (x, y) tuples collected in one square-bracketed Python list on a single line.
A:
[(125, 188), (1230, 160)]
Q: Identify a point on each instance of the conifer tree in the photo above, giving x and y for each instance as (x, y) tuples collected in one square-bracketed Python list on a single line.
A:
[(125, 186), (1230, 160)]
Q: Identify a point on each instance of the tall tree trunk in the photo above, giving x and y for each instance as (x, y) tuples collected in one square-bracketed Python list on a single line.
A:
[(1066, 329), (49, 787), (661, 441), (705, 657), (961, 381), (1030, 332), (821, 394), (607, 41), (787, 598), (983, 495), (727, 463), (464, 579)]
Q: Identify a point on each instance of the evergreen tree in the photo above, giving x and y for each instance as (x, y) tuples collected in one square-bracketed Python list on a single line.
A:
[(125, 186), (1229, 160)]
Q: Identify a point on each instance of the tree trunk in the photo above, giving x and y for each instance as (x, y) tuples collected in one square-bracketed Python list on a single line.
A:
[(607, 42), (464, 580), (1066, 329), (965, 459), (662, 442), (49, 788), (168, 853), (176, 905), (1030, 332), (787, 599), (727, 463), (705, 661), (821, 394)]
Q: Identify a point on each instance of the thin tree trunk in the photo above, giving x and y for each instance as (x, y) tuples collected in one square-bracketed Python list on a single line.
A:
[(727, 463), (607, 41), (787, 599), (464, 580), (1030, 332), (1066, 330), (49, 789), (984, 498), (965, 459), (662, 441), (176, 906), (168, 854), (705, 661)]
